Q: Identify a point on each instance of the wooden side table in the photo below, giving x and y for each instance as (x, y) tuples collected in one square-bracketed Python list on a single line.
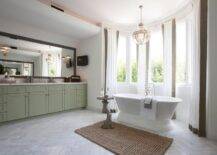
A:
[(107, 124)]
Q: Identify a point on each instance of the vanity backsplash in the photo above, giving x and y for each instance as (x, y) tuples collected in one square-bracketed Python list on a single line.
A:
[(29, 79)]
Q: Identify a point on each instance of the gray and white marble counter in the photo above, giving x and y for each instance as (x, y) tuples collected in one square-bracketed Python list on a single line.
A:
[(57, 83)]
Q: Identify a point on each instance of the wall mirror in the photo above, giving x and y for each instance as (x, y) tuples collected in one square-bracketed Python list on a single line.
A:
[(20, 57)]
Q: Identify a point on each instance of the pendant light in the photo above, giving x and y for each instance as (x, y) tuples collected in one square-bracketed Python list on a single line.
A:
[(4, 50), (142, 35)]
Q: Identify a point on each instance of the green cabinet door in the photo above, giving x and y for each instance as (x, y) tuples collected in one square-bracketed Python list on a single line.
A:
[(16, 106), (38, 103), (2, 117), (81, 98), (69, 99), (3, 109), (55, 101), (3, 112)]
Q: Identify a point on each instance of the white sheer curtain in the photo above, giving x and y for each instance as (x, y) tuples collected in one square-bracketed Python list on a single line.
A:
[(55, 62), (44, 64), (195, 68), (141, 69), (58, 62), (112, 65), (188, 110), (183, 63), (167, 47), (187, 48)]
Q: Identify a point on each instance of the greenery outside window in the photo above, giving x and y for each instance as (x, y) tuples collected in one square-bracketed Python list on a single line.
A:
[(127, 65), (156, 70), (133, 61), (121, 59)]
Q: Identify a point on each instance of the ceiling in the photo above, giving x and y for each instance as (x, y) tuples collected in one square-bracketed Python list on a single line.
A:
[(37, 14), (119, 12), (123, 12)]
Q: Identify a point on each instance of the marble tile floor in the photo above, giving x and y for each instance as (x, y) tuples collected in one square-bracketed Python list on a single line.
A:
[(54, 135)]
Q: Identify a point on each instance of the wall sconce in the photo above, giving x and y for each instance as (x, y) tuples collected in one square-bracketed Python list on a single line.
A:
[(67, 60), (4, 50)]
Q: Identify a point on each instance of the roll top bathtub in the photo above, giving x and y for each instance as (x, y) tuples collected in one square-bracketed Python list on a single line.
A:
[(152, 113)]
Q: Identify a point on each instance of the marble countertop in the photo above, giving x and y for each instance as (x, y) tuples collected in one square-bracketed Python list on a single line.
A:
[(57, 83)]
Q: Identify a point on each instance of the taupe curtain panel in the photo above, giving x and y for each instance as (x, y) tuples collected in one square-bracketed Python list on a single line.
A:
[(106, 54), (174, 58), (203, 66)]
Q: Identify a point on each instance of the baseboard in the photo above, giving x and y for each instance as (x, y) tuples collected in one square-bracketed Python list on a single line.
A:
[(212, 136)]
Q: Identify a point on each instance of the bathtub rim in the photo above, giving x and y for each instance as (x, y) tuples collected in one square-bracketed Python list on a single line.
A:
[(159, 99)]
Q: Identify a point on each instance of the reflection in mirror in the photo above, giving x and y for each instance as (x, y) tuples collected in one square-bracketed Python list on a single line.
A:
[(25, 58), (17, 68)]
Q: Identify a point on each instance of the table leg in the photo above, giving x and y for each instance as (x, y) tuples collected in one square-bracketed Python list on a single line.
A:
[(107, 124)]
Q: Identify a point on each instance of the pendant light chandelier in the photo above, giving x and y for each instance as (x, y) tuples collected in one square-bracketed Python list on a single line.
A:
[(4, 50), (142, 35)]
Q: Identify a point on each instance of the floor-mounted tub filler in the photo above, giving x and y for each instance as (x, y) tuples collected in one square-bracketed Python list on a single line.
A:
[(153, 113)]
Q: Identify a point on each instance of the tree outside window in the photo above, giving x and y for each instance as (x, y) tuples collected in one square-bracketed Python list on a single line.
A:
[(156, 57), (133, 61), (121, 59), (157, 72)]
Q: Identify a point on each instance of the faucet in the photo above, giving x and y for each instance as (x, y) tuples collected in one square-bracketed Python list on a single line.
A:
[(149, 89), (29, 79), (51, 80)]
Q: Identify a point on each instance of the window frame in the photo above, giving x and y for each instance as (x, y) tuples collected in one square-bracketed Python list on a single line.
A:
[(150, 65), (187, 71), (128, 80)]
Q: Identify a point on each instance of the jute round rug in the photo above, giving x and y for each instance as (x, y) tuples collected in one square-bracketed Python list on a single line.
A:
[(125, 140)]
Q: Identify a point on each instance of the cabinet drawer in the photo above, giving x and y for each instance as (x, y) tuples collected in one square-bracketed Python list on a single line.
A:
[(36, 88), (16, 89), (3, 107), (55, 88)]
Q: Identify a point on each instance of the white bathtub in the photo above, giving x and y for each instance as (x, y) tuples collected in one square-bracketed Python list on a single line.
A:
[(132, 111)]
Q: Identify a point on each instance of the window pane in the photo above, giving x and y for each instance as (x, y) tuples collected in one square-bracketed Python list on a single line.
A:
[(121, 59), (52, 70), (27, 69), (133, 61), (52, 61), (181, 71), (156, 57)]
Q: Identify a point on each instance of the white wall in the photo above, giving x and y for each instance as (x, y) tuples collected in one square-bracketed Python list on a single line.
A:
[(212, 71), (93, 73)]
